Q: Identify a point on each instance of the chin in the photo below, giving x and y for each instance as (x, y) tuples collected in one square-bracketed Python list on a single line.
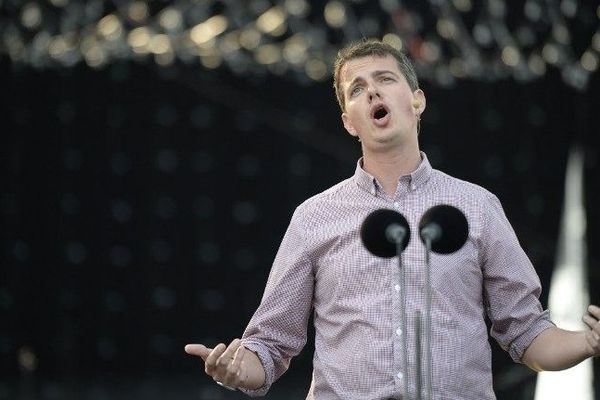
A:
[(382, 144), (386, 138)]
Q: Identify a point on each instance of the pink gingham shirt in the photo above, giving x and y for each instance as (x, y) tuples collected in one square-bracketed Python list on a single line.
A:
[(323, 266)]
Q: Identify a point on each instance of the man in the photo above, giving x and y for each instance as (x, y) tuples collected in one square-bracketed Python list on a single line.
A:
[(322, 266)]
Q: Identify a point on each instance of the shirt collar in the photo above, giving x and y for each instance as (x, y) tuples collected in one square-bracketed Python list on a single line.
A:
[(417, 178)]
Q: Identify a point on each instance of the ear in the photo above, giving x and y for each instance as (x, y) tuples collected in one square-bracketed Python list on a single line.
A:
[(419, 101), (348, 125)]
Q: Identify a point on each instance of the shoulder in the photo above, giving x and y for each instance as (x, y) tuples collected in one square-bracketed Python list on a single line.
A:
[(464, 189), (479, 204), (326, 206), (335, 193)]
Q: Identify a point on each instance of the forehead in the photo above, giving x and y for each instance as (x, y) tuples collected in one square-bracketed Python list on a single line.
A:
[(363, 67)]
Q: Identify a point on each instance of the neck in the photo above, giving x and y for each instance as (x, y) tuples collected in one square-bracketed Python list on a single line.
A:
[(388, 166)]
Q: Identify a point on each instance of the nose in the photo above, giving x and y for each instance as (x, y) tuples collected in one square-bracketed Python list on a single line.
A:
[(373, 92)]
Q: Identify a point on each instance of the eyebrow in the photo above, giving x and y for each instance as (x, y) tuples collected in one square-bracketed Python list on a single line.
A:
[(374, 74)]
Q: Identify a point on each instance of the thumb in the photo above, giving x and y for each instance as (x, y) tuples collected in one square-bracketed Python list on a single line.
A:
[(198, 350)]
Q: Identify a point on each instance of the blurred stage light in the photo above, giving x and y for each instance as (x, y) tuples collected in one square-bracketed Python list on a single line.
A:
[(267, 54), (75, 252), (335, 14), (31, 16), (537, 65), (120, 256), (120, 164), (490, 42), (207, 30), (589, 61), (316, 69), (204, 207), (59, 3), (299, 165), (27, 359), (248, 166), (171, 19), (510, 56), (393, 40), (162, 344), (114, 301), (121, 211), (244, 212), (164, 298), (161, 251), (106, 348), (6, 302), (244, 259), (272, 22), (166, 207), (167, 160), (21, 251), (138, 11), (209, 252), (70, 204), (212, 299)]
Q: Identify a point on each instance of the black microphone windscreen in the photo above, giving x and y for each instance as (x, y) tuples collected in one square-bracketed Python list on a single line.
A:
[(453, 224), (373, 232)]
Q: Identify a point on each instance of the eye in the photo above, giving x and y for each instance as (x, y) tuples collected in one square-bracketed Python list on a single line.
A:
[(387, 79), (355, 90)]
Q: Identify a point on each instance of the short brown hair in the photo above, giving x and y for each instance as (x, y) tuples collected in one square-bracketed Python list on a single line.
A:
[(371, 47)]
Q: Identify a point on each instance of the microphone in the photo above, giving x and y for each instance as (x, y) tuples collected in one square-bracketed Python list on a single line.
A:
[(445, 227), (384, 232)]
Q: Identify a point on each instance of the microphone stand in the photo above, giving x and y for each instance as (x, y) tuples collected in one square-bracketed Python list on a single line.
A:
[(396, 234), (443, 229), (428, 295), (418, 353), (403, 315)]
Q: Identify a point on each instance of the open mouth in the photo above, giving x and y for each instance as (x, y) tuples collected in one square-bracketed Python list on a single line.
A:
[(379, 112)]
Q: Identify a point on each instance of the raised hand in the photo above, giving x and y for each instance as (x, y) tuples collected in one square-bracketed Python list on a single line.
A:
[(231, 366), (593, 335)]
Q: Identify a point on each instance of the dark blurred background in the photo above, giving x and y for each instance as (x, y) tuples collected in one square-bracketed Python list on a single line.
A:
[(152, 154)]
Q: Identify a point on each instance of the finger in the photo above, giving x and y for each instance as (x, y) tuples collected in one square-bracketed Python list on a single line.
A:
[(239, 356), (211, 361), (198, 350), (243, 374), (591, 322), (594, 310), (235, 371), (224, 360), (223, 372), (227, 357)]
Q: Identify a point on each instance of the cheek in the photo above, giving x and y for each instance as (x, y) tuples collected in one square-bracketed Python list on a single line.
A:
[(406, 108), (354, 114), (359, 121)]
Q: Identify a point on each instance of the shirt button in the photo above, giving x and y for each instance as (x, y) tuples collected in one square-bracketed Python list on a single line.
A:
[(413, 187), (397, 288), (396, 204), (400, 375), (399, 332)]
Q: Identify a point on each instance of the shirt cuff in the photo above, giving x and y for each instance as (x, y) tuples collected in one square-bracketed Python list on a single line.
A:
[(520, 344), (267, 362)]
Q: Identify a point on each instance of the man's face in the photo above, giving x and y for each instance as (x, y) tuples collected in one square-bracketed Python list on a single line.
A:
[(379, 102)]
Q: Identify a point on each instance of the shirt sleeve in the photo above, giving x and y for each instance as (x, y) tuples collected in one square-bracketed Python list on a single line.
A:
[(277, 331), (511, 285)]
